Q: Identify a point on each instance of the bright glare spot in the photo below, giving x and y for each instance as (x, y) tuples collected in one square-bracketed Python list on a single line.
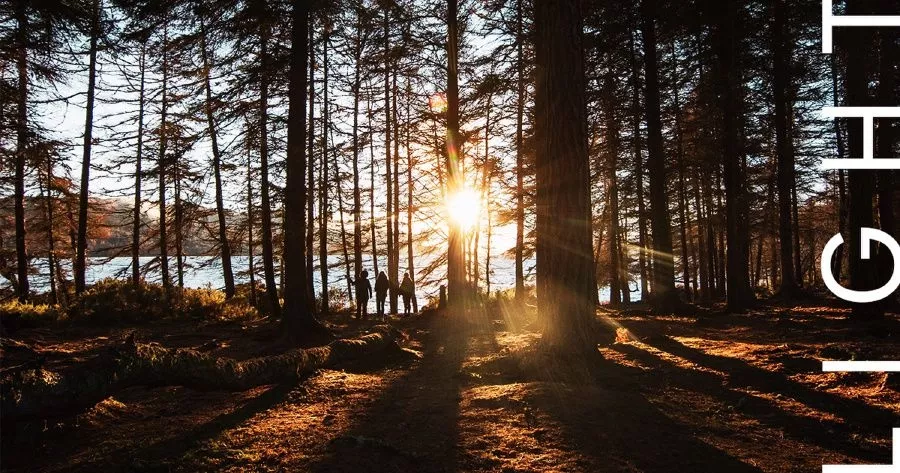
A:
[(463, 208), (437, 102)]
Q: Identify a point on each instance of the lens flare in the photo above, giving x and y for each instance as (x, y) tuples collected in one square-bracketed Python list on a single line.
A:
[(463, 208)]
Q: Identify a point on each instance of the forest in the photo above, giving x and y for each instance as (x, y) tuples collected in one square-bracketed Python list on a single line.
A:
[(445, 235)]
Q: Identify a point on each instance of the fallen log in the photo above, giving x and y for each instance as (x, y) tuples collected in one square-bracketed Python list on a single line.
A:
[(42, 393)]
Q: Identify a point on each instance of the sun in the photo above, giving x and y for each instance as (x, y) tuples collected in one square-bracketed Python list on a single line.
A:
[(463, 208)]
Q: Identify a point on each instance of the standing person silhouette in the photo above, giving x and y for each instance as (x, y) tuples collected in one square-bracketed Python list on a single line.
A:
[(363, 293), (408, 291), (381, 289)]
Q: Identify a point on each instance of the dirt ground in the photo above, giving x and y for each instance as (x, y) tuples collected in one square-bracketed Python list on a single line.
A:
[(719, 393)]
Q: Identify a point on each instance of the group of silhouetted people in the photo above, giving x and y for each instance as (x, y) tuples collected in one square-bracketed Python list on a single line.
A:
[(364, 291)]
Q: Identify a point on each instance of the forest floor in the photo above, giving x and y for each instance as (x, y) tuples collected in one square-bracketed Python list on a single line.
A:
[(719, 393)]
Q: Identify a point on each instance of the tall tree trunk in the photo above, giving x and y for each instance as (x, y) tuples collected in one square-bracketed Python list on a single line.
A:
[(738, 289), (266, 214), (310, 168), (566, 282), (224, 245), (161, 165), (663, 261), (251, 266), (781, 51), (639, 171), (357, 201), (410, 162), (83, 195), (612, 165), (389, 181), (48, 201), (179, 220), (394, 272), (372, 221), (323, 184), (682, 192), (520, 154), (456, 269), (22, 289), (702, 243), (138, 163), (298, 315)]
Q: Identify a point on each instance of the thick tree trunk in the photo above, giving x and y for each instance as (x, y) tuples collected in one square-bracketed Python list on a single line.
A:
[(224, 244), (566, 281), (298, 314), (84, 193), (739, 294), (664, 295), (456, 269), (266, 211), (39, 393)]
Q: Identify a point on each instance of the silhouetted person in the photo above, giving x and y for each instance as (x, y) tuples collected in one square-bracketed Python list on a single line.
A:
[(408, 291), (363, 293), (382, 284)]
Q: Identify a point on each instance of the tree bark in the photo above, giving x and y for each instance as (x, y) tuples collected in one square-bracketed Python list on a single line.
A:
[(456, 269), (739, 294), (22, 287), (566, 282), (298, 314), (40, 393), (664, 294)]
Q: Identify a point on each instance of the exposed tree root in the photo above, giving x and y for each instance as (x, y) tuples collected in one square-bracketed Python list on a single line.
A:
[(42, 393)]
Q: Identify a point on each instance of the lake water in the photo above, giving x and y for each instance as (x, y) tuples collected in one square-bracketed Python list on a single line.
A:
[(206, 271)]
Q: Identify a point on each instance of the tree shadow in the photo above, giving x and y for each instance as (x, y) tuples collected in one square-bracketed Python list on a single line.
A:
[(412, 426), (616, 428), (832, 435), (165, 454)]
